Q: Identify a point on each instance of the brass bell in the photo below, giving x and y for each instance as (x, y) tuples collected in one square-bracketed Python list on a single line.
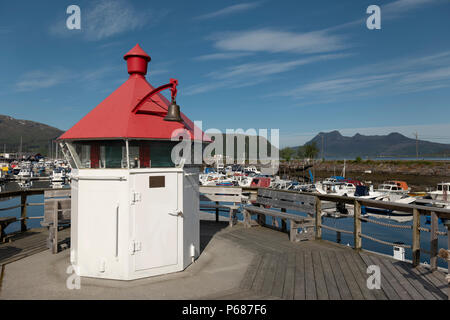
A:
[(173, 113)]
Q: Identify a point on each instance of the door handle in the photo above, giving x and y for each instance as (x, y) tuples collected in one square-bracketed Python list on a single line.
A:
[(176, 213)]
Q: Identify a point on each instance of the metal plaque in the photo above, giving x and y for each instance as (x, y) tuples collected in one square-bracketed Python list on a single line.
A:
[(157, 181)]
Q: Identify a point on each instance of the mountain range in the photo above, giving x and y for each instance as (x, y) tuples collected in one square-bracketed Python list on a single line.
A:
[(36, 137), (394, 144)]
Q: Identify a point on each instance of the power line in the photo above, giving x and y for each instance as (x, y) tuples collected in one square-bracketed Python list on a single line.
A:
[(417, 145)]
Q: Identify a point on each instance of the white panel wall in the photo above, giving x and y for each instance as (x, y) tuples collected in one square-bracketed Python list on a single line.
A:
[(104, 222)]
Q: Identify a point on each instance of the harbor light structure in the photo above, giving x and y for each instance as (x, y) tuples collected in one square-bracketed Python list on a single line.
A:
[(134, 211)]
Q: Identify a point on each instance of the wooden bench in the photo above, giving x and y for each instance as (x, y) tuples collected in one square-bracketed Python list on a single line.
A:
[(4, 222), (221, 194), (284, 200), (57, 204)]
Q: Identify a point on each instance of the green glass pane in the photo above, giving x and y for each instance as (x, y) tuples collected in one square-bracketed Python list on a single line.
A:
[(113, 156), (161, 155)]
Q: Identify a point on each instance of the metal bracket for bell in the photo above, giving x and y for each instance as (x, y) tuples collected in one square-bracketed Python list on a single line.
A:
[(173, 112)]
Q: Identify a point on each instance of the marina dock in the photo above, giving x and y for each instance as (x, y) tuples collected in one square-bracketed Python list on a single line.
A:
[(235, 263)]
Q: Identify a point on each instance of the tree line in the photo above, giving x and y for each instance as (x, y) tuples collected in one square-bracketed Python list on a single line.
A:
[(307, 151)]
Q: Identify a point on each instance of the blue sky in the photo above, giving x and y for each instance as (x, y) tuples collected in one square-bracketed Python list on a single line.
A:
[(299, 66)]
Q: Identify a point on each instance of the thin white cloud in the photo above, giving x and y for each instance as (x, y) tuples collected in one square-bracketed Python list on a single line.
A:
[(222, 56), (42, 79), (237, 8), (103, 19), (250, 74), (270, 67), (39, 79), (389, 11), (394, 77), (271, 40), (401, 6)]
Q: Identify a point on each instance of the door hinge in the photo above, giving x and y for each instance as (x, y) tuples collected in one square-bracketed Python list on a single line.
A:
[(135, 246), (135, 197)]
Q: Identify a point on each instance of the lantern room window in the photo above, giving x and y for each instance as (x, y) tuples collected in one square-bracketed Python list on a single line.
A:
[(99, 154), (151, 154), (112, 154)]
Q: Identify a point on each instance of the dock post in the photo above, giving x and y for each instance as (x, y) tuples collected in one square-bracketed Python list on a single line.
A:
[(434, 241), (318, 219), (283, 222), (23, 212), (338, 237), (357, 226), (416, 238), (217, 212)]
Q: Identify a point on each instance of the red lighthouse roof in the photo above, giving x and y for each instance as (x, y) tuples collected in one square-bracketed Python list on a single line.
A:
[(137, 52), (115, 116)]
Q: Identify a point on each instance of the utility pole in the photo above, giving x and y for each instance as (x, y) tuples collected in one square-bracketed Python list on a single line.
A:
[(417, 145), (323, 157), (20, 150)]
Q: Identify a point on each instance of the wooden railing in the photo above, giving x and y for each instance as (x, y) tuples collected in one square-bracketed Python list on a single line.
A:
[(23, 194), (416, 211)]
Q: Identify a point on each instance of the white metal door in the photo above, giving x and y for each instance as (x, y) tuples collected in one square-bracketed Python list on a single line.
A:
[(156, 220)]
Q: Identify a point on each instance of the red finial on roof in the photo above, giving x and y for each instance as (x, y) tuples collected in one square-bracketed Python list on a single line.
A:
[(137, 60)]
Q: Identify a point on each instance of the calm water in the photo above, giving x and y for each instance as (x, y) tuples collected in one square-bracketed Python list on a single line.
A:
[(376, 231), (32, 211)]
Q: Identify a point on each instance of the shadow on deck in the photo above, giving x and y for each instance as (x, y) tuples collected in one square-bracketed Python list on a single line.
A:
[(324, 270)]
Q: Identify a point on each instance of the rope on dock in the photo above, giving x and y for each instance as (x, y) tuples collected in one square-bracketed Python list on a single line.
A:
[(10, 208), (385, 242), (385, 224), (440, 233), (337, 230)]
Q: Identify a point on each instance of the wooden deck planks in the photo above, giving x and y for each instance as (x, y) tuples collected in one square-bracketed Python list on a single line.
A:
[(341, 283), (349, 278), (404, 283), (362, 268), (321, 270), (428, 283), (250, 274), (360, 279), (387, 281), (270, 276), (277, 290), (310, 281), (259, 279), (330, 281), (27, 243), (321, 286), (300, 293), (419, 284), (433, 277), (289, 278)]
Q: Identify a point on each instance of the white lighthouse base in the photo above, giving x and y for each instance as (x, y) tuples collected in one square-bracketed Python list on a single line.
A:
[(130, 224)]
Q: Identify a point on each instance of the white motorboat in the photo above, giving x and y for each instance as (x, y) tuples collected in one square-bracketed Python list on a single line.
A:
[(394, 189), (25, 173), (58, 175), (243, 181), (441, 192), (252, 169), (336, 188), (215, 179)]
